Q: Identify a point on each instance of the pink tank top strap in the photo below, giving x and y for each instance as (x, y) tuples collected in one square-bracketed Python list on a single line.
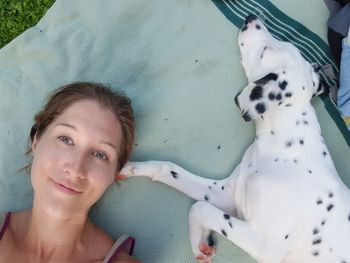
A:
[(125, 243), (5, 224)]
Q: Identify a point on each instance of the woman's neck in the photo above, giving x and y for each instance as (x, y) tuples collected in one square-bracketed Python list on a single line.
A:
[(48, 237)]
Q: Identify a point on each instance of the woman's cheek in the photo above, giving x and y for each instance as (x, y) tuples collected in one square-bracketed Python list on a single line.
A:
[(102, 174)]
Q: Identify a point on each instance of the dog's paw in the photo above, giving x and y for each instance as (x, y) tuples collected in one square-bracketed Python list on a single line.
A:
[(207, 253), (127, 171)]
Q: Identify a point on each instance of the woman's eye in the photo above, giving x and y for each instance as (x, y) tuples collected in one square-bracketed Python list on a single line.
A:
[(66, 139), (101, 155)]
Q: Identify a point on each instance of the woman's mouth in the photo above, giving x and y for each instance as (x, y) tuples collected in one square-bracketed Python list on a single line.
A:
[(65, 188)]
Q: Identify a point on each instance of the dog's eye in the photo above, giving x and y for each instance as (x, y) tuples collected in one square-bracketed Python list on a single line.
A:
[(258, 27)]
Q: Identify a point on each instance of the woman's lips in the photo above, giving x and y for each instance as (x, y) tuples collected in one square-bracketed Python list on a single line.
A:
[(65, 188)]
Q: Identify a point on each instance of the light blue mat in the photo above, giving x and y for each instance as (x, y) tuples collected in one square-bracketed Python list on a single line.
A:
[(179, 63)]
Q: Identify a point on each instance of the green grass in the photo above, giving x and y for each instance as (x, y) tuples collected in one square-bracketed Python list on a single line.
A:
[(18, 15)]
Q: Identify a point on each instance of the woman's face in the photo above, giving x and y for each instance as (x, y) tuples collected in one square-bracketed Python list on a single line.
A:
[(75, 159)]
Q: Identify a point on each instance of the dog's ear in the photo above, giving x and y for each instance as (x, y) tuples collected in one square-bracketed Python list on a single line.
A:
[(269, 77), (261, 96)]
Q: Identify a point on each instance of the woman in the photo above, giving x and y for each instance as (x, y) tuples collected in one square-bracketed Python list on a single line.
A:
[(80, 140)]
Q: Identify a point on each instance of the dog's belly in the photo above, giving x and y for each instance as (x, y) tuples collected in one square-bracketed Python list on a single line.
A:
[(300, 213)]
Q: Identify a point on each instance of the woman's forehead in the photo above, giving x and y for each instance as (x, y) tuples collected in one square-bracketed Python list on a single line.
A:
[(88, 116)]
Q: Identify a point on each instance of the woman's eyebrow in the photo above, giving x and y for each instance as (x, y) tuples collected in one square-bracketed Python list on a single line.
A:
[(66, 125)]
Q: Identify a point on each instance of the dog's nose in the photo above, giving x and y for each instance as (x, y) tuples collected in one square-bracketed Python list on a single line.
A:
[(250, 18), (236, 99)]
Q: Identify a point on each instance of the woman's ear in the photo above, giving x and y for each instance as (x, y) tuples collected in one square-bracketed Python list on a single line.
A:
[(34, 144)]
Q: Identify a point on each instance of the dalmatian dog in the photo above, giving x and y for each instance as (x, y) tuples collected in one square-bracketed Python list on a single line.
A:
[(285, 201)]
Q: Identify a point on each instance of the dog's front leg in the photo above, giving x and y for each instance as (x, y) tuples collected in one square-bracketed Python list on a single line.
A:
[(204, 217), (196, 187)]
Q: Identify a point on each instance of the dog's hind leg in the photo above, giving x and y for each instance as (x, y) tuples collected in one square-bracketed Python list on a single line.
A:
[(198, 188), (205, 217)]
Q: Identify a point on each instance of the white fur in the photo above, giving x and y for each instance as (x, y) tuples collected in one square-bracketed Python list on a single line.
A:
[(285, 201)]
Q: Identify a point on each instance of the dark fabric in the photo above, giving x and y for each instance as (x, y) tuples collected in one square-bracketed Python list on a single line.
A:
[(338, 25), (339, 21), (335, 45)]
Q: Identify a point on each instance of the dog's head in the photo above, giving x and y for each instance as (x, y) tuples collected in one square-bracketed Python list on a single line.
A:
[(278, 75), (277, 91)]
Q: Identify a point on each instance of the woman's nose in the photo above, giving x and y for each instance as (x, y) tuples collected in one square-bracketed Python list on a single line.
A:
[(76, 165)]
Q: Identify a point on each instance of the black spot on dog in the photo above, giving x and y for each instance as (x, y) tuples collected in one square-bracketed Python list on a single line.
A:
[(257, 93), (283, 72), (210, 241), (272, 96), (224, 232), (330, 194), (258, 27), (301, 141), (309, 171), (297, 122), (289, 143), (324, 154), (313, 83), (286, 236), (304, 113), (272, 132), (317, 241), (319, 201), (349, 218), (215, 183), (283, 85), (315, 253), (295, 160), (306, 122), (279, 96), (262, 53), (330, 207), (276, 160), (242, 44), (288, 94), (222, 187), (206, 197), (226, 216), (209, 187), (323, 222), (303, 87), (246, 116), (288, 105), (267, 78), (315, 231), (244, 28), (260, 108), (230, 224), (174, 174)]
